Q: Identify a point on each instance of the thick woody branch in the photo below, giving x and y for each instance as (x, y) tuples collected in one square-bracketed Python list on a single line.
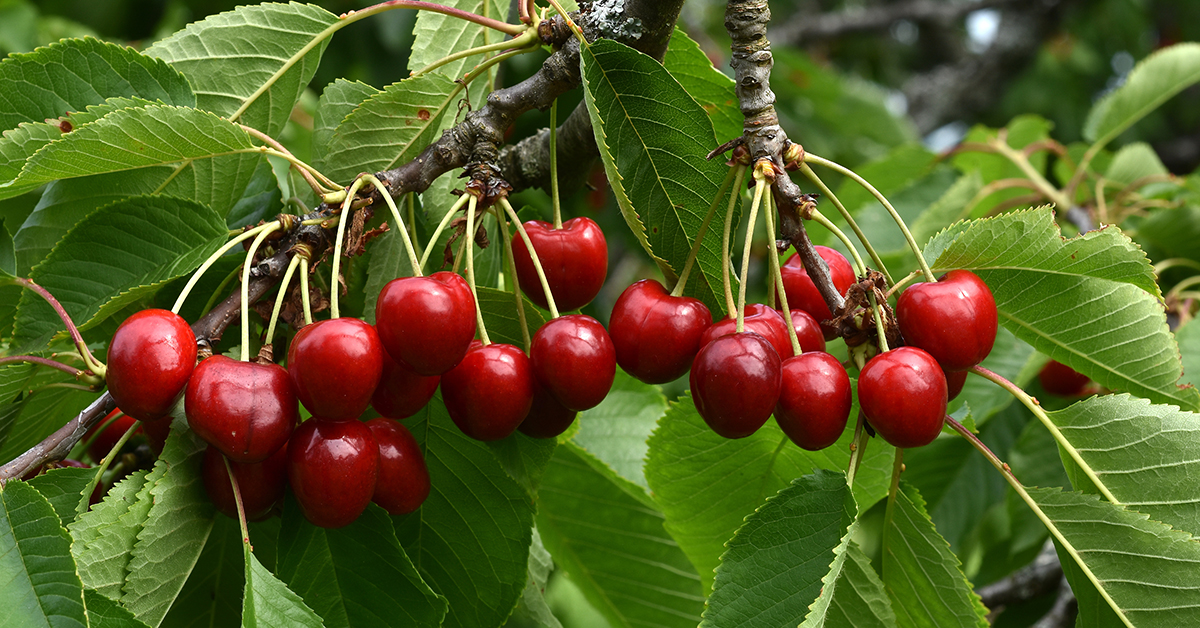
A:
[(805, 28), (1037, 578)]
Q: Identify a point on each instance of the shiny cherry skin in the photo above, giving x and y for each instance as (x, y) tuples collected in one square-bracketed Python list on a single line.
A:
[(426, 322), (245, 409), (574, 258), (802, 293), (403, 482), (574, 360), (656, 336), (547, 417), (261, 484), (814, 400), (954, 319), (735, 382), (954, 384), (808, 331), (111, 434), (902, 392), (759, 319), (150, 359), (335, 366), (490, 392), (402, 393), (1059, 379), (333, 467)]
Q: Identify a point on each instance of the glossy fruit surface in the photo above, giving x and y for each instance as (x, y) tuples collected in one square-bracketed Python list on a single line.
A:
[(335, 366), (759, 319), (150, 358), (954, 320), (244, 409), (735, 382), (426, 322), (574, 258), (802, 293), (490, 392), (1059, 379), (112, 433), (332, 467), (814, 400), (954, 384), (261, 484), (574, 360), (402, 393), (902, 392), (808, 331), (547, 417), (656, 336), (403, 482)]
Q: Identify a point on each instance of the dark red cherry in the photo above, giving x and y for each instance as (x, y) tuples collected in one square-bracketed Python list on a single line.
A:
[(735, 382), (802, 293), (332, 467), (902, 392), (656, 336), (1059, 379), (490, 392), (402, 393), (245, 409), (954, 320), (156, 433), (261, 484), (574, 360), (426, 322), (335, 365), (759, 319), (547, 417), (150, 358), (116, 428), (814, 400), (954, 384), (808, 331), (574, 258), (403, 482)]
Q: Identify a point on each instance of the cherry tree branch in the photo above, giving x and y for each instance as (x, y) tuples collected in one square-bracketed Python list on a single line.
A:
[(805, 28)]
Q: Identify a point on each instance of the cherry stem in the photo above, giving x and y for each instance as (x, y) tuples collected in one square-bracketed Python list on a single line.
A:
[(262, 235), (726, 263), (737, 173), (70, 370), (469, 242), (411, 207), (1178, 288), (400, 226), (903, 282), (460, 255), (567, 18), (537, 263), (212, 259), (897, 469), (304, 291), (104, 464), (437, 233), (1019, 159), (83, 445), (883, 343), (94, 365), (494, 24), (912, 244), (777, 276), (283, 286), (337, 247), (237, 499), (759, 186), (212, 299), (1041, 415), (858, 449), (526, 39), (849, 218), (511, 270), (304, 169), (554, 164), (820, 219)]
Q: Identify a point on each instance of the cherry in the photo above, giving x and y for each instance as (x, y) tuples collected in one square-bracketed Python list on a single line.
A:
[(902, 392), (403, 482), (802, 293), (814, 400), (246, 410), (111, 434), (426, 322), (954, 320), (402, 393), (759, 319), (332, 467), (954, 384), (808, 331), (547, 417), (335, 365), (735, 381), (574, 259), (656, 336), (490, 392), (156, 434), (150, 359), (261, 484), (1059, 379), (574, 360)]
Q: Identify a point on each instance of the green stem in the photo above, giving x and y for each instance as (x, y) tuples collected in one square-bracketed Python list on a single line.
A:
[(1022, 162), (400, 226), (337, 247), (469, 242), (283, 286), (511, 270), (103, 425), (1184, 285), (262, 235), (305, 170), (104, 464), (526, 39), (537, 263), (1175, 261), (411, 207), (862, 237), (212, 298), (883, 343), (187, 289), (858, 449), (33, 359), (759, 188), (726, 263), (903, 282), (437, 233), (554, 164), (820, 219), (777, 276), (237, 499), (304, 291), (712, 210)]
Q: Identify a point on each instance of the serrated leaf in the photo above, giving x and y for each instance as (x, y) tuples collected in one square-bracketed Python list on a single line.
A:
[(1133, 162), (533, 606), (105, 613), (104, 536), (852, 595), (773, 568), (1151, 83), (337, 100), (268, 602), (616, 431), (64, 488), (708, 85), (212, 595), (40, 412), (436, 36), (948, 208), (40, 586), (1020, 132), (251, 64)]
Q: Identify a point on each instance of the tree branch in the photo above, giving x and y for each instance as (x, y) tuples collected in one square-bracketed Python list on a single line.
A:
[(804, 28)]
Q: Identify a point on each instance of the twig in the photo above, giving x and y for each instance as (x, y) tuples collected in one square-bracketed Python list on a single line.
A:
[(805, 28)]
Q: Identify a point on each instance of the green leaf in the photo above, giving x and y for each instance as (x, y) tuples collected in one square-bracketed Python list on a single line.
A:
[(8, 257), (922, 576), (250, 65), (1152, 82), (852, 595), (899, 169), (775, 564), (212, 595), (41, 587), (1020, 132), (948, 208), (613, 545), (117, 256), (616, 431), (708, 85), (39, 412), (105, 613), (436, 36), (337, 101), (268, 602), (1134, 161), (533, 607), (1012, 358), (104, 536), (653, 139), (64, 488), (1174, 231), (1089, 302), (1188, 337)]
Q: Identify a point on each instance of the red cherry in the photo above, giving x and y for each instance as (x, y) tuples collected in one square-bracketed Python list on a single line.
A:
[(403, 481), (335, 365), (547, 417), (150, 358), (1059, 379), (902, 392), (261, 484), (954, 320), (759, 319), (802, 293), (735, 382), (656, 336), (814, 401), (490, 392), (574, 258), (426, 322), (111, 434), (954, 384), (332, 467), (402, 393), (808, 331), (246, 410), (574, 360), (156, 434)]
